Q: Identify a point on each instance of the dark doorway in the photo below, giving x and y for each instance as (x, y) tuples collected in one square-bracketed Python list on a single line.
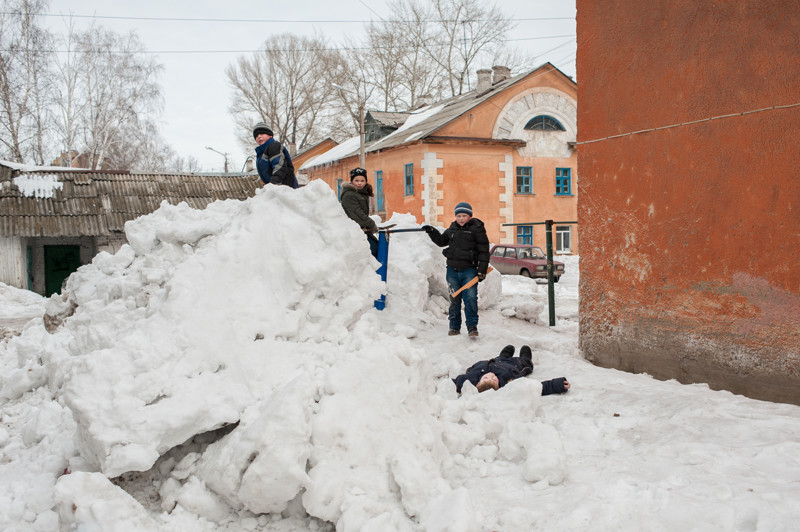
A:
[(59, 262)]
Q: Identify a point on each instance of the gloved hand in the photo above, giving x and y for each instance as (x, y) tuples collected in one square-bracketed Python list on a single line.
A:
[(428, 229), (481, 276)]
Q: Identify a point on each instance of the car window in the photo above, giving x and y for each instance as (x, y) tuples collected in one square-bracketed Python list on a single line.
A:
[(511, 253), (498, 251), (538, 253), (525, 253)]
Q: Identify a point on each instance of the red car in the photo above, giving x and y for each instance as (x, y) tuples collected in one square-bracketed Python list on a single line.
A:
[(530, 261)]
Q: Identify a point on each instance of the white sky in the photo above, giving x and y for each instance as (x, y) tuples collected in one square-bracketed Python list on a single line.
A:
[(196, 92)]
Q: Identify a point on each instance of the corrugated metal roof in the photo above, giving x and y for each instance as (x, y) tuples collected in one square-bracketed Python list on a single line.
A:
[(99, 203)]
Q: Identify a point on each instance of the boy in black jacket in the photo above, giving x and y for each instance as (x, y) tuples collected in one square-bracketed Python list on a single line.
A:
[(497, 372), (467, 255)]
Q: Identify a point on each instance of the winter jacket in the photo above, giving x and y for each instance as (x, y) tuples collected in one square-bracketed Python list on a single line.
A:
[(274, 164), (506, 370), (467, 245), (355, 203)]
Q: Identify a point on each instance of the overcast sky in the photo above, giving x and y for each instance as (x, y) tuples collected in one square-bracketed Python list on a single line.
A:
[(196, 93)]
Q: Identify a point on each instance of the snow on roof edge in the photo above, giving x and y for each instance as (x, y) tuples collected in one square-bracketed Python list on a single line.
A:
[(22, 167)]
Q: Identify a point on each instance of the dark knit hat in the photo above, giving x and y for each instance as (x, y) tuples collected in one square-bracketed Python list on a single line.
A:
[(357, 171), (464, 208), (261, 127)]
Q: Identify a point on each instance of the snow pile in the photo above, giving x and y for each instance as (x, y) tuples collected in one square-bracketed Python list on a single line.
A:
[(258, 315), (18, 303), (227, 372), (174, 318)]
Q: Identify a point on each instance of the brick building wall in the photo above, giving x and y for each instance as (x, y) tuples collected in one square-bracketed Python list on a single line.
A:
[(690, 233)]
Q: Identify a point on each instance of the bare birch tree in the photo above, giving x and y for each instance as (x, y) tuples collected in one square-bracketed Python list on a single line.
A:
[(69, 103), (419, 73), (383, 64), (455, 34), (24, 80), (288, 85), (119, 88)]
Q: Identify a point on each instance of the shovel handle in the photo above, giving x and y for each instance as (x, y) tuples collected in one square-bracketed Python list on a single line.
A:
[(469, 283)]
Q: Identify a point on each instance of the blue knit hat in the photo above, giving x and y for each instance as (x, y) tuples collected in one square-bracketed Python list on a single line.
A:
[(464, 208)]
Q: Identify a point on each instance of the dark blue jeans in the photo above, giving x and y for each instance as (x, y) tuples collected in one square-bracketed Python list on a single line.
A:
[(373, 245), (455, 280)]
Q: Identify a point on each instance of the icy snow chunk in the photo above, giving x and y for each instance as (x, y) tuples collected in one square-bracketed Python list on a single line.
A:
[(261, 464), (451, 512), (89, 501), (546, 459)]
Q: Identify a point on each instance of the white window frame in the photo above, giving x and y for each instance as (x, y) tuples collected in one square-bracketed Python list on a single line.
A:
[(562, 230)]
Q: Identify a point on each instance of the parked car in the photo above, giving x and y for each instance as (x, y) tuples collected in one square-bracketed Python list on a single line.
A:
[(530, 261)]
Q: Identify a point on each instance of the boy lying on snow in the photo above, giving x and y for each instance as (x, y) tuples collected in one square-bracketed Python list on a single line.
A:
[(497, 372)]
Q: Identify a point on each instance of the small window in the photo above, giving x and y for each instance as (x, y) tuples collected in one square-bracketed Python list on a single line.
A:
[(563, 181), (563, 239), (525, 235), (498, 251), (409, 180), (524, 180), (511, 253), (339, 189), (544, 123), (379, 190)]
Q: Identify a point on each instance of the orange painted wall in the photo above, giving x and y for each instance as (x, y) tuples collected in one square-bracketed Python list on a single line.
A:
[(690, 233), (480, 121)]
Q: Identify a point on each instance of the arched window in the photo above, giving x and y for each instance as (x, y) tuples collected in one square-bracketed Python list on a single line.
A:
[(544, 123)]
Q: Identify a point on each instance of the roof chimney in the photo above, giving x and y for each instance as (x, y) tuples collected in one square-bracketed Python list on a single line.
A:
[(484, 80), (500, 73)]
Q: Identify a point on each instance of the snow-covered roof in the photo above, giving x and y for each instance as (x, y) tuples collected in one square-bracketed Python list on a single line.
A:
[(36, 168), (346, 149), (423, 122), (65, 202)]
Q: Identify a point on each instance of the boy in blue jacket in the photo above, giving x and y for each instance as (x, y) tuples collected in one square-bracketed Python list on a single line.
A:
[(273, 162), (497, 372)]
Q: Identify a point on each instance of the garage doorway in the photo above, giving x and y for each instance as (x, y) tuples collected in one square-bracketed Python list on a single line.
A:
[(59, 263)]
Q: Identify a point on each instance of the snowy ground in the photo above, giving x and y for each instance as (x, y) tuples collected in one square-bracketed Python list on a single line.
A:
[(227, 371)]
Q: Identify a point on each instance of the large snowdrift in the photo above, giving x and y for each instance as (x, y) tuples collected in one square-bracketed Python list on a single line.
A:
[(256, 315), (227, 372)]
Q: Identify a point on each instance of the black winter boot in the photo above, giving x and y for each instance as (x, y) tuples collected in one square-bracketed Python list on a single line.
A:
[(525, 352), (507, 352)]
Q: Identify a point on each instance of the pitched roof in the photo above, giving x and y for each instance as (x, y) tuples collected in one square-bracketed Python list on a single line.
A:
[(50, 203), (386, 118), (424, 122)]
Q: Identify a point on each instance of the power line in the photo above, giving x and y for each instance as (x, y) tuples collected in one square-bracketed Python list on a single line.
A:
[(282, 21), (334, 49), (731, 115)]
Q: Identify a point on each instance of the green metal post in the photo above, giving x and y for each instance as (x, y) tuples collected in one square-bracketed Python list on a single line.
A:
[(551, 294)]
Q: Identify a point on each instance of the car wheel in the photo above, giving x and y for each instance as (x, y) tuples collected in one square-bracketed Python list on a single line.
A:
[(525, 273), (555, 279)]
